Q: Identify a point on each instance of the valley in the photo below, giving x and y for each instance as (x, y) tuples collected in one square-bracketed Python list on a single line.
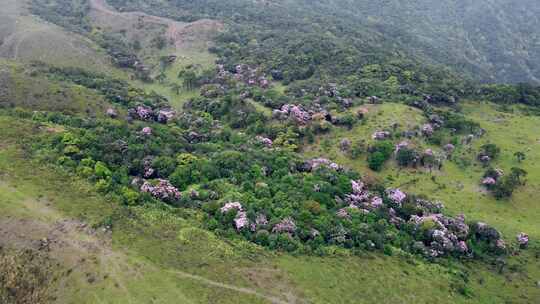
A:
[(268, 152)]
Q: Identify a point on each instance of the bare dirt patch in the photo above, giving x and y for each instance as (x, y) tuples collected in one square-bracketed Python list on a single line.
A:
[(25, 276), (275, 281), (182, 35)]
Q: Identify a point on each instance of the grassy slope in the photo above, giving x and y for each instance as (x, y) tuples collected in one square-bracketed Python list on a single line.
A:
[(190, 49), (185, 57), (151, 246), (459, 187), (27, 38), (18, 87)]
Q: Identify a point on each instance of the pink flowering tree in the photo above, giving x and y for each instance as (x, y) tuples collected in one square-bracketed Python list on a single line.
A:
[(146, 131), (396, 196), (162, 190), (522, 239)]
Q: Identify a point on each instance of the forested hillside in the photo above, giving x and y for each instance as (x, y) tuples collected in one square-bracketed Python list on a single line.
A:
[(493, 40), (285, 151)]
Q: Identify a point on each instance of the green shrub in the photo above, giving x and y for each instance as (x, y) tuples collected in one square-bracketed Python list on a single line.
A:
[(102, 171), (376, 161)]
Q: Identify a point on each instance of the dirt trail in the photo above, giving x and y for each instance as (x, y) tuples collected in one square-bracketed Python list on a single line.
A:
[(245, 290), (180, 33), (103, 7)]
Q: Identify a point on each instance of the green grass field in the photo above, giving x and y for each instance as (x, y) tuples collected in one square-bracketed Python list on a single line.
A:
[(185, 58), (26, 38)]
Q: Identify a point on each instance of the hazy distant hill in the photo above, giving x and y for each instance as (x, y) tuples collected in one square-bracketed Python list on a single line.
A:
[(494, 40), (498, 40)]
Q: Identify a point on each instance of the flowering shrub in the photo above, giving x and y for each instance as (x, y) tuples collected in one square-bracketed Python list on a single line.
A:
[(144, 113), (401, 145), (231, 206), (380, 135), (449, 148), (285, 225), (165, 115), (406, 156), (489, 181), (267, 142), (294, 112), (427, 129), (164, 190), (443, 235), (522, 239), (112, 113), (503, 185), (396, 195), (317, 163), (241, 221)]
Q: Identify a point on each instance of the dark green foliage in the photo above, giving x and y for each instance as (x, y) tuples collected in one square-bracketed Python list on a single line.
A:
[(379, 153), (307, 47), (505, 184), (459, 123), (520, 156), (406, 156), (511, 94), (376, 161), (358, 148), (508, 183), (115, 90), (490, 150)]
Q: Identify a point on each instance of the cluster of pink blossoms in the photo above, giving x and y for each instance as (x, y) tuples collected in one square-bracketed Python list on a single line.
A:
[(241, 220), (342, 213), (490, 235), (380, 135), (523, 239), (317, 163), (164, 190), (489, 181), (428, 153), (146, 131), (286, 225), (449, 148), (147, 166), (361, 198), (267, 142), (293, 111), (165, 115), (247, 75), (447, 235), (402, 145), (112, 113), (144, 112), (230, 206), (493, 177), (427, 129), (397, 196)]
